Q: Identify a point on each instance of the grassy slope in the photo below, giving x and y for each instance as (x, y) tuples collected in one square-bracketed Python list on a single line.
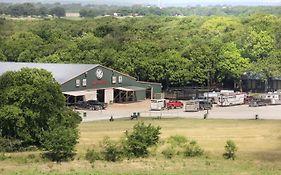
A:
[(259, 152)]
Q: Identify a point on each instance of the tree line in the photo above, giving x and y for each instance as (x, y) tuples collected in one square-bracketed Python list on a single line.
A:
[(171, 50), (90, 10), (139, 10), (29, 9)]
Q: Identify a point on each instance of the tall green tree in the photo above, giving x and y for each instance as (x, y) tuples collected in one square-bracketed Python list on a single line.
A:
[(22, 46), (258, 45), (57, 11), (32, 106), (232, 64)]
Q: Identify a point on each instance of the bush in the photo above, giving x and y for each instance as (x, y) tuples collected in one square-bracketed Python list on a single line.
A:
[(169, 152), (230, 150), (136, 144), (9, 145), (192, 150), (177, 141), (60, 143), (92, 155), (112, 151)]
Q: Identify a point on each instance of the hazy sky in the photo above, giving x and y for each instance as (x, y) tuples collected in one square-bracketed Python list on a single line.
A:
[(162, 2)]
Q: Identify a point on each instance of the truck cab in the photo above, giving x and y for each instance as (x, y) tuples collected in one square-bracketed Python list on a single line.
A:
[(158, 104)]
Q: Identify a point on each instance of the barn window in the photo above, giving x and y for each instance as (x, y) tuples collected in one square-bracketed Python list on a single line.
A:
[(113, 79), (84, 83), (77, 82), (120, 79)]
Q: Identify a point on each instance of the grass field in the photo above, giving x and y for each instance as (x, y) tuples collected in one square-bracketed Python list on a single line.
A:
[(258, 141)]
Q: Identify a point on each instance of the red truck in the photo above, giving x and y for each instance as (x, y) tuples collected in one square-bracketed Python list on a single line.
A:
[(172, 104)]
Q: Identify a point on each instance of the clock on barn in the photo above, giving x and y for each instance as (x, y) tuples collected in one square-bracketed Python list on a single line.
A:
[(99, 73)]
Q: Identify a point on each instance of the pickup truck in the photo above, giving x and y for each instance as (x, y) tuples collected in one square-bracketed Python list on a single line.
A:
[(174, 104), (90, 104)]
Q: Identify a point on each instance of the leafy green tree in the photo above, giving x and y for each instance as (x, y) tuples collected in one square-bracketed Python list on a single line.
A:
[(25, 9), (33, 110), (103, 30), (232, 65), (42, 11), (88, 42), (170, 69), (54, 58), (258, 45), (268, 68), (22, 46), (204, 58), (57, 11)]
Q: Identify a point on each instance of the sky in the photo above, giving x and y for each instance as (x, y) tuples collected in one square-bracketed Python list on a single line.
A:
[(163, 3)]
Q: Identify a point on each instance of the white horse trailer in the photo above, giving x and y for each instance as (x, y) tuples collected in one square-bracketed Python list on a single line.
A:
[(274, 97), (230, 99), (157, 104), (192, 106), (213, 96)]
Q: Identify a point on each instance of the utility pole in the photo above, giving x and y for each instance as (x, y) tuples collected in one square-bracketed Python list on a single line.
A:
[(208, 89)]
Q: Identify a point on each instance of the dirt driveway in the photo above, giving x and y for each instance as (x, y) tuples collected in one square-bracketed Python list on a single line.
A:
[(234, 112)]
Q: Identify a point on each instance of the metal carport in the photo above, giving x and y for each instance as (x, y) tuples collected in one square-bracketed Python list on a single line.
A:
[(127, 93)]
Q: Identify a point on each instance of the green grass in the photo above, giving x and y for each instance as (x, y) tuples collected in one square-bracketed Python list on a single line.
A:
[(258, 141)]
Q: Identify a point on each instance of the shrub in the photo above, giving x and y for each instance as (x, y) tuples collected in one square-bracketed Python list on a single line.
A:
[(92, 155), (169, 152), (136, 144), (9, 145), (192, 150), (230, 150), (177, 141), (112, 151), (60, 143)]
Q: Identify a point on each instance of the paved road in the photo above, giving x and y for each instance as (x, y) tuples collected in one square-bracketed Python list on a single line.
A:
[(234, 112)]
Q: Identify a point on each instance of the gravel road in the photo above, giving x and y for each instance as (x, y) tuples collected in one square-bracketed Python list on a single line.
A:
[(233, 112)]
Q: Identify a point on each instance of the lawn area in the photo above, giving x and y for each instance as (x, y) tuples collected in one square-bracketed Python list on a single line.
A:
[(258, 141)]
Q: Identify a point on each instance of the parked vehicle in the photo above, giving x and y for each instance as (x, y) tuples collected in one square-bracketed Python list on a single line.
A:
[(96, 105), (81, 105), (205, 104), (258, 101), (158, 104), (248, 99), (172, 104), (90, 104), (212, 96), (273, 97), (230, 99), (192, 106)]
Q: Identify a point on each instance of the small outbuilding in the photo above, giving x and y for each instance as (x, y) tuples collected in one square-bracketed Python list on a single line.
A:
[(92, 82)]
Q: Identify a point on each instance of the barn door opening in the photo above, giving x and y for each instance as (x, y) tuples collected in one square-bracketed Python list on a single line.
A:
[(100, 95), (148, 93)]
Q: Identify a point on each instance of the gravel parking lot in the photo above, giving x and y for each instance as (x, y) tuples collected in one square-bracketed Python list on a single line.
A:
[(233, 112)]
